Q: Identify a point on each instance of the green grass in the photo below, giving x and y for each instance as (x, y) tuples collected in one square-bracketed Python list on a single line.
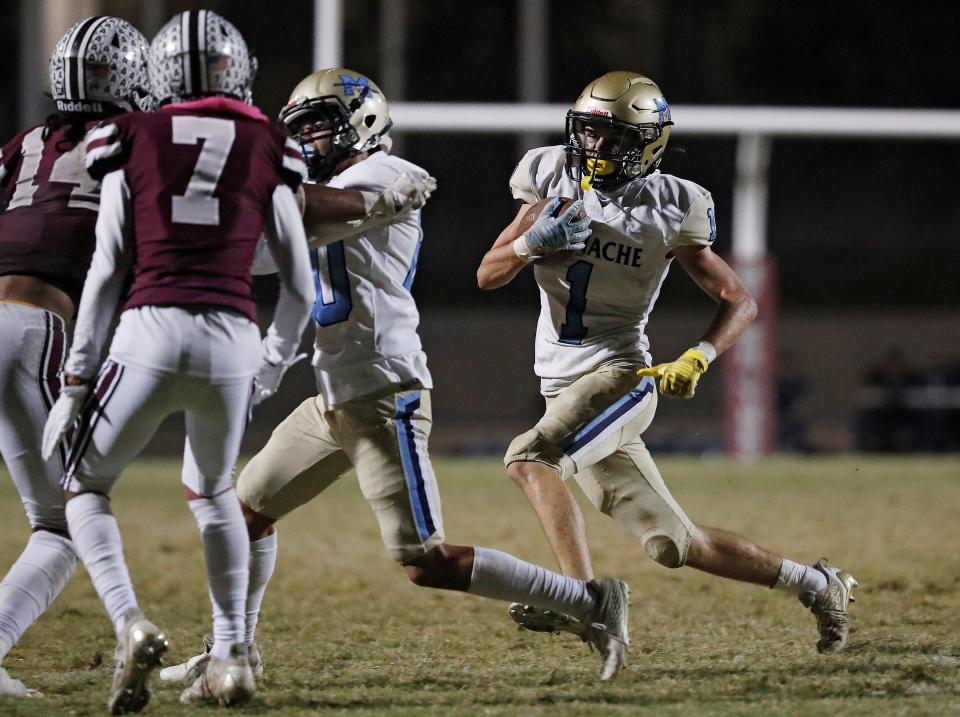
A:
[(344, 633)]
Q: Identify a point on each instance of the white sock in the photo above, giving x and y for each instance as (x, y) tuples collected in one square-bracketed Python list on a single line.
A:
[(227, 551), (799, 578), (32, 583), (263, 559), (96, 538), (501, 576)]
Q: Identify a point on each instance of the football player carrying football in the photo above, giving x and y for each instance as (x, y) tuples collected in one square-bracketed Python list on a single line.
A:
[(596, 297), (98, 69), (186, 193), (373, 408)]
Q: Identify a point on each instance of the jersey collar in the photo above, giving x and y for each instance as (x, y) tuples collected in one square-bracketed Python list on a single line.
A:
[(219, 104)]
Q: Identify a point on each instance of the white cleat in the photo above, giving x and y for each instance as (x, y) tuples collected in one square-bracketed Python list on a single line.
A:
[(608, 628), (187, 672), (226, 681), (830, 605), (191, 669), (10, 687), (538, 619), (139, 650)]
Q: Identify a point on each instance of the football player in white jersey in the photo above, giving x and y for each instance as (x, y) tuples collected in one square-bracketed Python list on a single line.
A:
[(596, 294), (373, 408)]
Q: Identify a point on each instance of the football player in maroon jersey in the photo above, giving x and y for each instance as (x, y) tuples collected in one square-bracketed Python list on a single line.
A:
[(98, 69), (187, 192)]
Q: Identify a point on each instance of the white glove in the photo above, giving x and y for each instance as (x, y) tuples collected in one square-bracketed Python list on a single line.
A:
[(62, 416), (406, 193), (269, 377)]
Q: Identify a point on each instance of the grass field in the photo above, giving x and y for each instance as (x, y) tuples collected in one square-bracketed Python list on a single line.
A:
[(343, 633)]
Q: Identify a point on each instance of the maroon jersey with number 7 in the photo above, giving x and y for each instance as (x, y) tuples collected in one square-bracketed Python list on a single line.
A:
[(201, 176), (49, 209)]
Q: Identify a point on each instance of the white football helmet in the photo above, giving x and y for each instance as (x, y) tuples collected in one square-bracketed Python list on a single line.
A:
[(198, 53), (99, 67), (632, 113), (340, 104)]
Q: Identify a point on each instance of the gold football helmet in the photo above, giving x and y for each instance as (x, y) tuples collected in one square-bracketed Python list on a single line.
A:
[(340, 105), (616, 131)]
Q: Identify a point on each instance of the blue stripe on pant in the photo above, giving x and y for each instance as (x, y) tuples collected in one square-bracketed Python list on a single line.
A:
[(407, 406), (573, 443)]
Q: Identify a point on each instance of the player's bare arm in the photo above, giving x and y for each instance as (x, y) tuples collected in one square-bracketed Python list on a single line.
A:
[(323, 204), (332, 214), (552, 225), (501, 263), (736, 308)]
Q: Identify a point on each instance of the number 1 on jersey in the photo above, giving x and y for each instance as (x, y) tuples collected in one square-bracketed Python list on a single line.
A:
[(68, 169), (572, 331)]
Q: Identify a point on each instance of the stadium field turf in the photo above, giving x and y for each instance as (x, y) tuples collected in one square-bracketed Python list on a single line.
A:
[(344, 633)]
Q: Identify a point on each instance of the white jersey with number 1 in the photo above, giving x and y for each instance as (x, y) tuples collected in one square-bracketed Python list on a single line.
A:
[(594, 304), (365, 315)]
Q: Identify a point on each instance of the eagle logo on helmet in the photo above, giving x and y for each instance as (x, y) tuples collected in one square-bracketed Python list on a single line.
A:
[(663, 109), (349, 84)]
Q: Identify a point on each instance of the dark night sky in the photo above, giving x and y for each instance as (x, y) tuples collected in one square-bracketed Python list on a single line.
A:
[(851, 222)]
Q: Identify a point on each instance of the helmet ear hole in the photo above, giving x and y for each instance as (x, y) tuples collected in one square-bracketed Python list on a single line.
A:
[(369, 120)]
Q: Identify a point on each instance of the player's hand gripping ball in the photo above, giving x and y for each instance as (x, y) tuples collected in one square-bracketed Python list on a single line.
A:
[(553, 225)]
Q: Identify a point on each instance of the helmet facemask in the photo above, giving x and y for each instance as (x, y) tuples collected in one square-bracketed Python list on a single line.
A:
[(621, 157), (323, 120)]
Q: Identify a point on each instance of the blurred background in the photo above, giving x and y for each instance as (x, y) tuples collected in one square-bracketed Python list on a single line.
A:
[(860, 348)]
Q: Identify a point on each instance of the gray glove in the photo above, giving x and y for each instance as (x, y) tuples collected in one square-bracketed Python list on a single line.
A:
[(551, 234)]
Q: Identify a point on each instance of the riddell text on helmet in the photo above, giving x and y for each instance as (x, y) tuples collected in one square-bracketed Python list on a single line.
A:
[(78, 106)]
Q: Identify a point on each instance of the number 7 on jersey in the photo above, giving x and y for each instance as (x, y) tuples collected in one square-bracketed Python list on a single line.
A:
[(198, 205)]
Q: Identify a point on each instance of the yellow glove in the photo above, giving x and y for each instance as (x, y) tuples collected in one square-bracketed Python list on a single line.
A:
[(679, 378)]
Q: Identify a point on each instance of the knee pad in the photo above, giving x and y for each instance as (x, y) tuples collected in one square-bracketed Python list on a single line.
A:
[(664, 548)]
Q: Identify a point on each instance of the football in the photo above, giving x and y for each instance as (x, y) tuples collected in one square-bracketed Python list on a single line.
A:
[(531, 216), (533, 212)]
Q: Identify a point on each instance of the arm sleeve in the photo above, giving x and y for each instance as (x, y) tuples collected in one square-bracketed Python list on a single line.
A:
[(105, 279), (263, 262), (287, 245)]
